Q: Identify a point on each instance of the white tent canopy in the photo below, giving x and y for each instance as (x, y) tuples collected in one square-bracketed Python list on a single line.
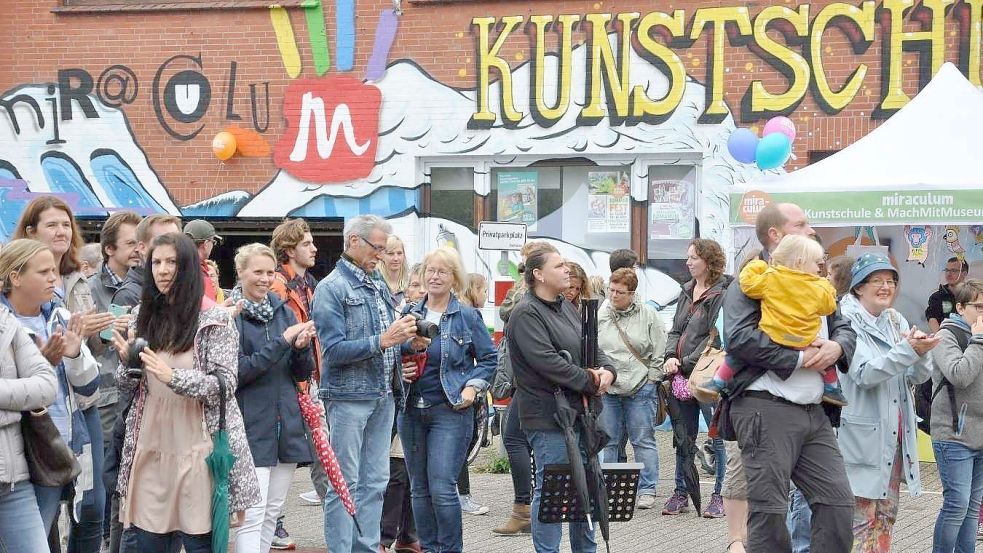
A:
[(923, 164)]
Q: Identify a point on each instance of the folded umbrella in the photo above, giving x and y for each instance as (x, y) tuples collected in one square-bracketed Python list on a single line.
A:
[(593, 436), (220, 462), (312, 414)]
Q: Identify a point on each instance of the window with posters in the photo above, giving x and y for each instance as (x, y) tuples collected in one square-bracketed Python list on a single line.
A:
[(671, 210), (534, 195)]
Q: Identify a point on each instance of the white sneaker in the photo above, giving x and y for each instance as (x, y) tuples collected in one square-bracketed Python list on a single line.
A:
[(310, 498), (646, 501), (470, 507)]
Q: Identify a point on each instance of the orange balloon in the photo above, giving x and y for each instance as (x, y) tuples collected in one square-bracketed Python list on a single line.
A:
[(224, 145)]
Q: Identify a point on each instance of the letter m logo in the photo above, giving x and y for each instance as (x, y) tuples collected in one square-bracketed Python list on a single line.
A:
[(332, 129)]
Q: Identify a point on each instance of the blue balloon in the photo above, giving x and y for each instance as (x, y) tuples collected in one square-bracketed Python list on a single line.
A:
[(773, 151), (742, 145)]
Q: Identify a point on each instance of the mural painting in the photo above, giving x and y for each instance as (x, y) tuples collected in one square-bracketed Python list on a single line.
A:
[(610, 90)]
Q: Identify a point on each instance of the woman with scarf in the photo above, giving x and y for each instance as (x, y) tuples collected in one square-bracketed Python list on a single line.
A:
[(274, 355), (29, 274)]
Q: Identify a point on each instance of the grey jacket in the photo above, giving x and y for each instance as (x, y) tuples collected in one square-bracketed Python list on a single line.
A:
[(27, 381), (647, 335), (103, 289), (962, 369), (878, 385), (79, 299)]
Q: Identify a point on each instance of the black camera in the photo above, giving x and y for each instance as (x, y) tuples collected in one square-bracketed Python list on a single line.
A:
[(134, 365), (425, 328)]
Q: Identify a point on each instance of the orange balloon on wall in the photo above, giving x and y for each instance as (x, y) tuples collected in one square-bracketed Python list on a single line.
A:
[(224, 145)]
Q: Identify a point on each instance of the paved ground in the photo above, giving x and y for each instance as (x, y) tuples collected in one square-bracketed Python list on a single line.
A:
[(649, 530)]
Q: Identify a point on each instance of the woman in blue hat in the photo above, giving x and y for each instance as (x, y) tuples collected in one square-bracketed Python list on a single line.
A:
[(877, 433)]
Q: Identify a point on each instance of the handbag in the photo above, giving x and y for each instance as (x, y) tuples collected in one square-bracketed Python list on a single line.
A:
[(705, 368), (50, 461), (660, 396)]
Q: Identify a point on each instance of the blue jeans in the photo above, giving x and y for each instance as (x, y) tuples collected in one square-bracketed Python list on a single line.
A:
[(435, 441), (360, 433), (691, 418), (799, 521), (961, 472), (160, 543), (21, 529), (633, 415), (85, 535), (548, 448)]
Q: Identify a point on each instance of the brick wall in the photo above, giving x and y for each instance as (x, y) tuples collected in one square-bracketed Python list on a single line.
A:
[(435, 35)]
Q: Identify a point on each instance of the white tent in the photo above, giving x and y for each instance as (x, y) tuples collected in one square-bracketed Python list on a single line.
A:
[(922, 165)]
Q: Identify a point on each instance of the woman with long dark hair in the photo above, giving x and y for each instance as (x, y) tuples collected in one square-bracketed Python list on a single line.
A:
[(164, 483), (542, 326)]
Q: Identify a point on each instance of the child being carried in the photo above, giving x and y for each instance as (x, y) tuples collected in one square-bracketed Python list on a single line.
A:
[(794, 298)]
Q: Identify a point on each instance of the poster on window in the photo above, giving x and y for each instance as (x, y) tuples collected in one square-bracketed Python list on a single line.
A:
[(518, 193), (608, 201), (671, 209)]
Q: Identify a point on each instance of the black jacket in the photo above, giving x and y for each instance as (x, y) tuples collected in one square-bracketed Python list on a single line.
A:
[(536, 332), (692, 324), (269, 367), (753, 353)]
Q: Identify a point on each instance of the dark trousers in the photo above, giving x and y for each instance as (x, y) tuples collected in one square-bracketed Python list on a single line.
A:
[(520, 456), (781, 441), (397, 508), (148, 542), (464, 478)]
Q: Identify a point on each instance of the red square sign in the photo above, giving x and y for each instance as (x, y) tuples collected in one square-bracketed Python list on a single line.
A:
[(332, 129)]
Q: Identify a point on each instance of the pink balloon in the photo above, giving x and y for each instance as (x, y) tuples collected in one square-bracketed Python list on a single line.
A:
[(780, 124)]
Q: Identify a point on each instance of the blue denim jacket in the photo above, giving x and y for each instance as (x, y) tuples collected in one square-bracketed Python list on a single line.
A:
[(349, 330), (468, 356)]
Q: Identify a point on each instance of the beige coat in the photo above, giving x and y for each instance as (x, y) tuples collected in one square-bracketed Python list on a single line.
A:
[(646, 333)]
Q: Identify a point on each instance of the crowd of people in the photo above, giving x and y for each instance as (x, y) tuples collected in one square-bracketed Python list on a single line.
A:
[(126, 358)]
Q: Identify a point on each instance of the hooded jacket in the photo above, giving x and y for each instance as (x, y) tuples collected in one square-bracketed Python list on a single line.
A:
[(692, 323), (216, 347), (962, 369), (269, 369), (27, 381), (645, 331), (878, 385)]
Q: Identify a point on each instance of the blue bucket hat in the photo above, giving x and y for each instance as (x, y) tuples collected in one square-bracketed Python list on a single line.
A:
[(867, 264)]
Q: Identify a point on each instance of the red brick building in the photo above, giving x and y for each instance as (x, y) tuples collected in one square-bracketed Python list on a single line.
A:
[(608, 104)]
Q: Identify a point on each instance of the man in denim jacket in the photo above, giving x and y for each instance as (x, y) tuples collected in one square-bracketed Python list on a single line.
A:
[(360, 346)]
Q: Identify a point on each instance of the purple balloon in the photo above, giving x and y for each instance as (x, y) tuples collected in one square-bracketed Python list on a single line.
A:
[(742, 145)]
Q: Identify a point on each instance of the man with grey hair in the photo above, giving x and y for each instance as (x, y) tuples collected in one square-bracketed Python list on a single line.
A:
[(91, 257), (360, 341)]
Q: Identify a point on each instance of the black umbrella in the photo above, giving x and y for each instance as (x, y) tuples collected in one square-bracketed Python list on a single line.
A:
[(594, 437), (566, 416), (686, 444)]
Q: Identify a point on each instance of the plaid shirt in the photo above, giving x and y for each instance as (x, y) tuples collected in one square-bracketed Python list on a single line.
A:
[(112, 276), (389, 355)]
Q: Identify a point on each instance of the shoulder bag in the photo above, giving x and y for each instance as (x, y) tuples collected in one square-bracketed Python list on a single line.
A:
[(50, 461), (660, 396), (705, 368)]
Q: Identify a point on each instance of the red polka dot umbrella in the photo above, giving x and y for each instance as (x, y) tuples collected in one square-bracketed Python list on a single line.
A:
[(312, 413)]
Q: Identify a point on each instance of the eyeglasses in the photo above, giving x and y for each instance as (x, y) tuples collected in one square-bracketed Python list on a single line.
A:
[(952, 271), (619, 293), (378, 249), (439, 272), (975, 304), (880, 283)]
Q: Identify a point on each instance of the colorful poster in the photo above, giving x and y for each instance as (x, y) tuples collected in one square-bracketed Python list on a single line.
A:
[(518, 194), (608, 201), (671, 209)]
